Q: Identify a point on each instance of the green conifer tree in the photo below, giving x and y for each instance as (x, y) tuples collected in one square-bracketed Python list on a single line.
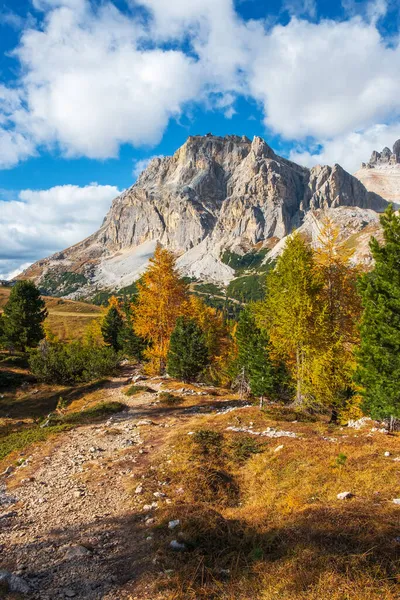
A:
[(188, 353), (131, 344), (254, 363), (23, 316), (378, 368), (112, 326)]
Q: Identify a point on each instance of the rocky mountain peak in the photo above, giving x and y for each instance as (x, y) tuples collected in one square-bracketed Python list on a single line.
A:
[(385, 158), (382, 173), (214, 194)]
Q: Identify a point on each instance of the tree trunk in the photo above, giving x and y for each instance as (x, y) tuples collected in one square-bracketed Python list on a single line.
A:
[(299, 398), (261, 402), (334, 416)]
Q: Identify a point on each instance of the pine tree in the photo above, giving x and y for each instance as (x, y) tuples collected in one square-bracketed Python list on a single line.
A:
[(112, 325), (23, 316), (340, 305), (253, 363), (379, 355), (290, 313), (188, 353), (131, 344), (162, 298)]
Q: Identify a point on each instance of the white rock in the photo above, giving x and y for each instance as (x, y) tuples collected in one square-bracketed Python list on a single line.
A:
[(159, 495), (359, 423), (148, 507), (344, 495), (278, 448), (387, 454), (139, 489), (173, 524), (177, 546), (396, 500)]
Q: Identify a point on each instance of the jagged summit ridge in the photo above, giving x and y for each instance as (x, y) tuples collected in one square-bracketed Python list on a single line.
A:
[(214, 194), (381, 174), (385, 158)]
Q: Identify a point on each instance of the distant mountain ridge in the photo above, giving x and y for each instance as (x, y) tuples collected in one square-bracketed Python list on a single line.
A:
[(381, 174), (215, 195)]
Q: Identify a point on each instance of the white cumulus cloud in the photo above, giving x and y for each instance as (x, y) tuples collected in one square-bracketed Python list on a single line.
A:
[(94, 78), (41, 222), (350, 150)]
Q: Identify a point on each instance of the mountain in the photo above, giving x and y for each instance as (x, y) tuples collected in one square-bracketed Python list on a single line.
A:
[(215, 200), (381, 174)]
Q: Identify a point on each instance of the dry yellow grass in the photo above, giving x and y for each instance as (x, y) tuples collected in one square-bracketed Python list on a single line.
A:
[(68, 319), (267, 524)]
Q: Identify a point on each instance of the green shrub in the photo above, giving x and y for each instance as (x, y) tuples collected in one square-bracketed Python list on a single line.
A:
[(208, 441), (244, 447), (68, 364)]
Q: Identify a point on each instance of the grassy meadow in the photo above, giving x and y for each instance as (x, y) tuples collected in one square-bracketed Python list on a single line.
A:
[(67, 319)]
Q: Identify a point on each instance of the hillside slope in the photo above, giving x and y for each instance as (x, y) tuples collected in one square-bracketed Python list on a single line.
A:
[(96, 512), (67, 318)]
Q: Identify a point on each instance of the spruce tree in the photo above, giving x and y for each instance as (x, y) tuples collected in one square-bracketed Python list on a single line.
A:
[(379, 355), (254, 363), (131, 344), (112, 325), (23, 316), (188, 353)]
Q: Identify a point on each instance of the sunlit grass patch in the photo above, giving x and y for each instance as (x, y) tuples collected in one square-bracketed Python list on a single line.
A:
[(170, 399)]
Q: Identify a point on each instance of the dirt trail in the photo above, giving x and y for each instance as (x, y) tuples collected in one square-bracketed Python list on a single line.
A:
[(73, 532)]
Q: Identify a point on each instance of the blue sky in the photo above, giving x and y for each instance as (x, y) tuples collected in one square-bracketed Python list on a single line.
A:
[(90, 90)]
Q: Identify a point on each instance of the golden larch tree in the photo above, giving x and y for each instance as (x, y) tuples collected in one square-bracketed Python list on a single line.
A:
[(162, 298), (216, 334), (341, 309), (291, 313)]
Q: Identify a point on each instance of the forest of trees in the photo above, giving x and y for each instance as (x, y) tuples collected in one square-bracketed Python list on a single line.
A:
[(325, 337)]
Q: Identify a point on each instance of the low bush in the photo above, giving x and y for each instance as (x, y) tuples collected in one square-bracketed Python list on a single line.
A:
[(243, 447), (68, 364), (208, 441)]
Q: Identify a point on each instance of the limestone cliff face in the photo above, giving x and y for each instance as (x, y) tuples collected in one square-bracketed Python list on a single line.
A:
[(213, 194)]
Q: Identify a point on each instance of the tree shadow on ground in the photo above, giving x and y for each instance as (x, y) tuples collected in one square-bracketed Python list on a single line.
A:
[(155, 410), (220, 552), (38, 403)]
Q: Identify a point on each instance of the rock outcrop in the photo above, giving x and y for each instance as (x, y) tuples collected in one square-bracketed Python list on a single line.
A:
[(381, 175), (214, 194)]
